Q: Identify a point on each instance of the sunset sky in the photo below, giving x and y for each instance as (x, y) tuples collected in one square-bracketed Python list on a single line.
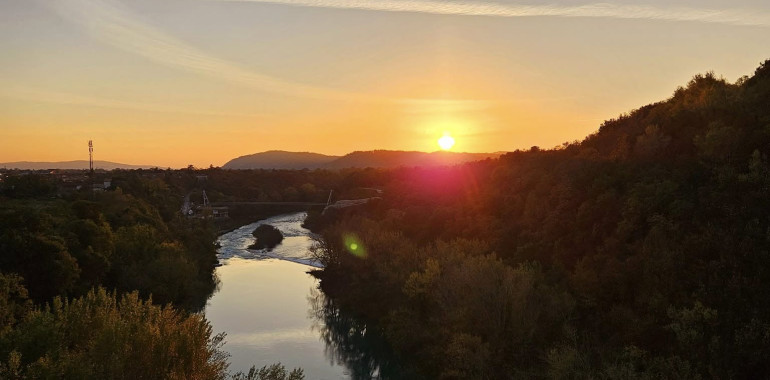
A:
[(180, 82)]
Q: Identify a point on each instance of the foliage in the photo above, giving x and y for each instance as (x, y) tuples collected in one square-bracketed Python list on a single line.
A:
[(66, 247), (104, 336), (272, 372), (14, 304)]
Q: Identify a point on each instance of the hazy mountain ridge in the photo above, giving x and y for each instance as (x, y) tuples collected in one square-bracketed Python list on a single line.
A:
[(357, 159), (279, 159), (395, 158), (77, 164)]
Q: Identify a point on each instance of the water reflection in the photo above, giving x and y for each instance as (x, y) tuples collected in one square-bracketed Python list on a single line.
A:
[(262, 304), (352, 342)]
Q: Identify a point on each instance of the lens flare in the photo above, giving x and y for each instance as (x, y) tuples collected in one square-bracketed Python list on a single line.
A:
[(354, 246), (446, 142)]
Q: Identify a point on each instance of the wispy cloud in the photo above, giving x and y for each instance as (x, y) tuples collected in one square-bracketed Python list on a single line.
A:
[(37, 95), (111, 23), (603, 10)]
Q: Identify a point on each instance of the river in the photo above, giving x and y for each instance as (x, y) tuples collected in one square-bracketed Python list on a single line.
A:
[(265, 302)]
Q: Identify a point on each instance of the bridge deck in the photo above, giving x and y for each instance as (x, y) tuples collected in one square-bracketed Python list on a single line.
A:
[(268, 203)]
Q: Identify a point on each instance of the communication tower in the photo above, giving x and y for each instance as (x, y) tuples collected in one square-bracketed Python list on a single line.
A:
[(91, 156)]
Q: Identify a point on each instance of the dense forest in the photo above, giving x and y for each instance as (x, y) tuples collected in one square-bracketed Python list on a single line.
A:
[(641, 252)]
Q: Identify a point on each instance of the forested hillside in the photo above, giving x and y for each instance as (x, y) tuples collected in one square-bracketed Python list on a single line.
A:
[(641, 252)]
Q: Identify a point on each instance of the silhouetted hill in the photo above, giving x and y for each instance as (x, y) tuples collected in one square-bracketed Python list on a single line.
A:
[(358, 159), (396, 158), (78, 164), (709, 119), (278, 159)]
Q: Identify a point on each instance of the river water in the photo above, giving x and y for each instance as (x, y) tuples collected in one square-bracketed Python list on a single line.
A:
[(267, 303)]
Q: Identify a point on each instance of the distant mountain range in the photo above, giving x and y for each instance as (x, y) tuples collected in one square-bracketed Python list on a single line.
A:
[(79, 164), (275, 159), (278, 159)]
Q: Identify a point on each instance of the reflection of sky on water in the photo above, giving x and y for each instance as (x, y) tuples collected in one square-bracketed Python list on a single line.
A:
[(262, 303), (269, 338)]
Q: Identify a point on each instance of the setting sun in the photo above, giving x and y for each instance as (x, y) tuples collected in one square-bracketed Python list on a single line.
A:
[(446, 142)]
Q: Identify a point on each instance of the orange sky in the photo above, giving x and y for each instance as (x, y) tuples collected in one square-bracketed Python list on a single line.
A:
[(200, 82)]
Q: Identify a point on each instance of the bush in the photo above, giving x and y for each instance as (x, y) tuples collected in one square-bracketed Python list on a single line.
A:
[(101, 336)]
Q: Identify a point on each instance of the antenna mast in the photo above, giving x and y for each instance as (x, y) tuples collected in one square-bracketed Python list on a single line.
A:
[(91, 156)]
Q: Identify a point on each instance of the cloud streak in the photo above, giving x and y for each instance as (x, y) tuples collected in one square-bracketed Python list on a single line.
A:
[(42, 96), (110, 22), (742, 17), (116, 26)]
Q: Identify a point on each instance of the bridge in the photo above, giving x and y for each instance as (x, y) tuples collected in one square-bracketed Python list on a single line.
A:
[(267, 203), (239, 203), (188, 207)]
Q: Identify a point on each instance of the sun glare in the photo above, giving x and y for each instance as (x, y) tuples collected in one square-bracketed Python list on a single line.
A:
[(446, 142)]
